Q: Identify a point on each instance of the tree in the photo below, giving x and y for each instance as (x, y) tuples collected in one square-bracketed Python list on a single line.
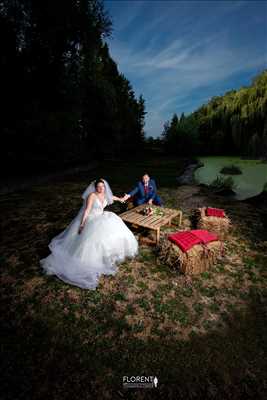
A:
[(231, 124), (65, 101)]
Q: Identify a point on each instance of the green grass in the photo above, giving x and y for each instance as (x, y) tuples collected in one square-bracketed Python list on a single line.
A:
[(206, 275), (119, 296), (208, 291)]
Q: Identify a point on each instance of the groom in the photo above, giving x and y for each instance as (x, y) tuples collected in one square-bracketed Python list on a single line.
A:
[(144, 192)]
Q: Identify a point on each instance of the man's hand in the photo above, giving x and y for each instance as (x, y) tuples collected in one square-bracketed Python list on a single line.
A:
[(150, 202), (125, 197)]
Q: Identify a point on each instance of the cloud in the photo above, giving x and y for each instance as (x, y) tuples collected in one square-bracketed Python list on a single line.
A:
[(180, 63)]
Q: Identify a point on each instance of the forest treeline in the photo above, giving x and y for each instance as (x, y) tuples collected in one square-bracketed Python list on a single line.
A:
[(64, 100), (232, 124)]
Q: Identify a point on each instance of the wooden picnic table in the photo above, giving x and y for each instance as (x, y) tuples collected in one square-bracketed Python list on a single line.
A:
[(154, 221)]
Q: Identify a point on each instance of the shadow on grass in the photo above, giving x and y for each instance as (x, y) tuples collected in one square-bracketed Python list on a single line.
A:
[(43, 358)]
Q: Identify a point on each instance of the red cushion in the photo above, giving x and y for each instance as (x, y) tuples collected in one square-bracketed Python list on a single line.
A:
[(185, 240), (215, 212), (204, 236)]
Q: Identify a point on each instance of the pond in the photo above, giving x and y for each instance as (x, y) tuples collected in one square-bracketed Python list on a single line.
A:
[(248, 184)]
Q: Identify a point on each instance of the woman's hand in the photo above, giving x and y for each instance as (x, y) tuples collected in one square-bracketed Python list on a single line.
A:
[(125, 197), (80, 229), (120, 199)]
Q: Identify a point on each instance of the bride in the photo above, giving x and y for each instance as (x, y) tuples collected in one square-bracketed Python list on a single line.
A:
[(93, 243)]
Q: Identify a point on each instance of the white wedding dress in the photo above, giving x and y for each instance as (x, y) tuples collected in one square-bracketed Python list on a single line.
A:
[(80, 259)]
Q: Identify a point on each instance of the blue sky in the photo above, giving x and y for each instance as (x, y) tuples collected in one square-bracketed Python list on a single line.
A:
[(178, 54)]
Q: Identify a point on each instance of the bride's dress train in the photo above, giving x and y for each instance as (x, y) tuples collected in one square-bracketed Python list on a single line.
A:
[(80, 259)]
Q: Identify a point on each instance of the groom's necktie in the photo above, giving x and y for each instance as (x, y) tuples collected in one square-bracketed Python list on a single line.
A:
[(146, 189)]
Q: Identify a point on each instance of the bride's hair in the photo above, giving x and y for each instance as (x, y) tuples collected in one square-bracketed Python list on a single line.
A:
[(97, 181), (92, 188)]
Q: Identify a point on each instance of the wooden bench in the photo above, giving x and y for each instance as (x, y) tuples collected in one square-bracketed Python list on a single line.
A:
[(154, 221)]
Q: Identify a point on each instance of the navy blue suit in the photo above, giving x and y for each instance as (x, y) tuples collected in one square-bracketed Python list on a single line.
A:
[(140, 197)]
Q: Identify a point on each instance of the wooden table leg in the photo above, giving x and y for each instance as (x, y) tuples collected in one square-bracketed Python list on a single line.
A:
[(158, 235), (180, 218)]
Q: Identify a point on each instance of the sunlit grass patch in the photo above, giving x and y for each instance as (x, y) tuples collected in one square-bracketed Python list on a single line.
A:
[(249, 263), (209, 291), (163, 270), (119, 296), (138, 327), (205, 275), (164, 288), (198, 308), (142, 285), (94, 296), (182, 315), (129, 279), (146, 255), (129, 309), (144, 303), (187, 292), (214, 307)]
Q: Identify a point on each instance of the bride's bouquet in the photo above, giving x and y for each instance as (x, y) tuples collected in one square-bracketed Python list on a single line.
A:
[(152, 210), (147, 211)]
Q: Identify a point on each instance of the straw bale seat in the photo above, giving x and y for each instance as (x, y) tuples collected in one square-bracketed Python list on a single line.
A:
[(197, 259), (218, 225)]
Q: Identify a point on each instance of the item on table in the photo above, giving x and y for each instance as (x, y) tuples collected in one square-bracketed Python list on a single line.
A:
[(158, 211), (152, 211), (147, 211)]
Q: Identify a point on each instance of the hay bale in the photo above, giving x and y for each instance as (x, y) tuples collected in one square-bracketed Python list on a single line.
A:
[(196, 260), (217, 225)]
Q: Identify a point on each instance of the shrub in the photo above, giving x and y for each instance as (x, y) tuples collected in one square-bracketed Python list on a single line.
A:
[(231, 170), (221, 183)]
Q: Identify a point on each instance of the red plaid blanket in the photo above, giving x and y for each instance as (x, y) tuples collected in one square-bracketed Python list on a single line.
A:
[(185, 240), (215, 212), (204, 236)]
